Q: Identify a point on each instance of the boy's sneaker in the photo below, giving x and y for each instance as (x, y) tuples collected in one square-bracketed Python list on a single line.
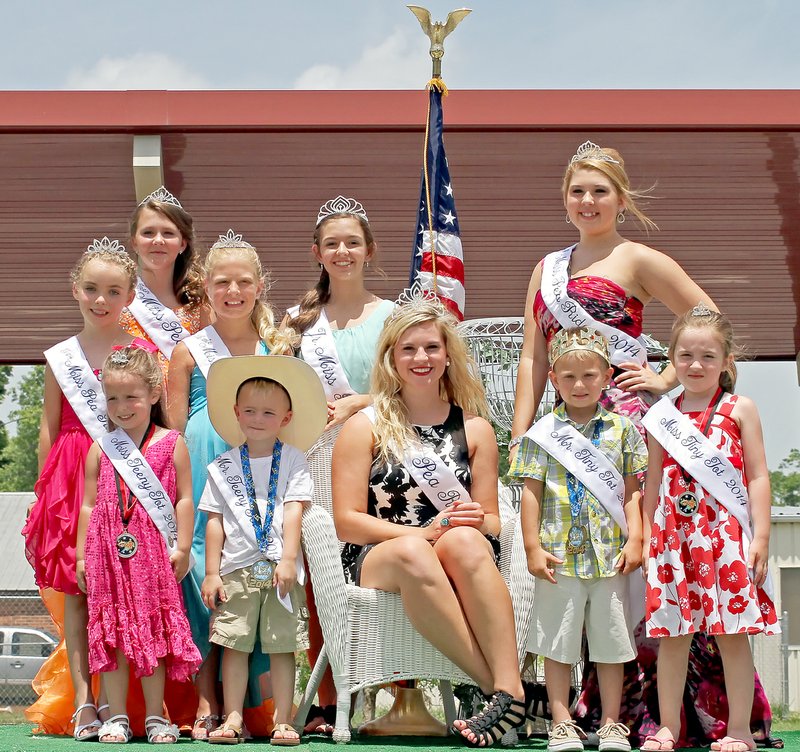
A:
[(614, 738), (566, 737)]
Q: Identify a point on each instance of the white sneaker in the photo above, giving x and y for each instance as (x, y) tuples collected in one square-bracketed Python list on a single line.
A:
[(565, 737), (614, 738)]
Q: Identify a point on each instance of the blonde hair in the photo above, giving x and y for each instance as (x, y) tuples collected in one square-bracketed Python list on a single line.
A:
[(615, 172), (139, 362), (116, 258), (279, 342), (721, 326), (460, 385)]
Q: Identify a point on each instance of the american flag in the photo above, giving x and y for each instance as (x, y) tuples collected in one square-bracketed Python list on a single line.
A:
[(438, 260)]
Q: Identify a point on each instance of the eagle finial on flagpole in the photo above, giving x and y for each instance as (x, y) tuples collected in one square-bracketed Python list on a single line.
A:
[(436, 31)]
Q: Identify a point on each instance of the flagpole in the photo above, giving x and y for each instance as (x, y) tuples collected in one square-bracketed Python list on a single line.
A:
[(436, 31)]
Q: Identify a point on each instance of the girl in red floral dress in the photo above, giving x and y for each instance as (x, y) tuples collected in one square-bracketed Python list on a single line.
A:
[(708, 522)]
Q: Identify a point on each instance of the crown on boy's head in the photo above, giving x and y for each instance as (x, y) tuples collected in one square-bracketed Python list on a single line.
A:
[(570, 340), (162, 195), (590, 150), (231, 239), (341, 205), (99, 246)]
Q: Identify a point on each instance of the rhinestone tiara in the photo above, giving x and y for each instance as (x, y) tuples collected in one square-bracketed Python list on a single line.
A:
[(341, 205), (570, 340), (417, 296), (103, 245), (701, 309), (590, 150), (163, 196), (119, 358), (231, 239)]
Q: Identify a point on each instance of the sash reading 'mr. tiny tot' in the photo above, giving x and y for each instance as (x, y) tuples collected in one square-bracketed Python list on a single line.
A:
[(206, 346), (570, 314), (436, 479), (143, 483), (80, 385), (319, 351), (160, 322), (585, 461), (693, 451)]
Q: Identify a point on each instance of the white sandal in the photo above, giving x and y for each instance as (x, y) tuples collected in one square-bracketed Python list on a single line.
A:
[(155, 726), (117, 725), (92, 726)]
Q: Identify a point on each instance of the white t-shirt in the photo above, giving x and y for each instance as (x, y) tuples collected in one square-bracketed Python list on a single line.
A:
[(240, 548)]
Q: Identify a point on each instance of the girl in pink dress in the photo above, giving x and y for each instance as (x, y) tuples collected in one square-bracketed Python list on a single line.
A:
[(103, 282), (136, 613), (707, 567)]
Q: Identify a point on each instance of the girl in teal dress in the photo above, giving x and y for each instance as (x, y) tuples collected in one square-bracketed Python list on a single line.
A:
[(340, 316), (243, 325)]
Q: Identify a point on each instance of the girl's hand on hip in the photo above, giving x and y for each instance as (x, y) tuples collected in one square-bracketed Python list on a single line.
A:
[(640, 378)]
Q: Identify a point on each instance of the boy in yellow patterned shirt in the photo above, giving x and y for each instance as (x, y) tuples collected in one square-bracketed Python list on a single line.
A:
[(585, 526)]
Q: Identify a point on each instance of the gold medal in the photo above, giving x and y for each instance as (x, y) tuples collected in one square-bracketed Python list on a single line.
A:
[(261, 574), (577, 537)]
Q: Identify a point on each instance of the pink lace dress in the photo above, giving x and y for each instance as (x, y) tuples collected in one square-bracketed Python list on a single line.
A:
[(135, 605), (52, 527)]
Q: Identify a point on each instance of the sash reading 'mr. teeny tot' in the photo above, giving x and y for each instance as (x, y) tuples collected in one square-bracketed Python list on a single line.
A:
[(570, 314)]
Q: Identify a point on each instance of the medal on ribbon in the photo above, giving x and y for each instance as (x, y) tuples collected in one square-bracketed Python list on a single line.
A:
[(126, 542), (262, 572), (578, 534)]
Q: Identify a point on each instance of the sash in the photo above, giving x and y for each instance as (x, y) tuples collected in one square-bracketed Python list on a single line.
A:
[(706, 464), (160, 322), (570, 314), (206, 346), (585, 461), (143, 483), (79, 385), (319, 351), (436, 479), (700, 458), (226, 473)]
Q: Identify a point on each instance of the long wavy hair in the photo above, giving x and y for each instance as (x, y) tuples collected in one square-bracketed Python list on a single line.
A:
[(279, 342), (187, 282), (316, 298), (619, 179), (460, 384)]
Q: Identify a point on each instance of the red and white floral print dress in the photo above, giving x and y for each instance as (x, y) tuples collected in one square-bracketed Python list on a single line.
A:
[(697, 577)]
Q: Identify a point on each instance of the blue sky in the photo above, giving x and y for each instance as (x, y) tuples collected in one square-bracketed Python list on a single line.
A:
[(378, 44)]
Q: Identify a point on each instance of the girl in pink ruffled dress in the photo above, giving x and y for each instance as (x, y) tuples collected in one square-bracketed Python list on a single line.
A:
[(103, 283), (136, 613)]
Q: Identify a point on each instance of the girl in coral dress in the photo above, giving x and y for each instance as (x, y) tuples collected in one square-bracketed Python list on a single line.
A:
[(74, 413), (169, 293), (708, 523), (134, 548)]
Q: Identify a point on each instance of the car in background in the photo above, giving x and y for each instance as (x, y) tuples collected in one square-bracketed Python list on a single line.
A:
[(23, 650)]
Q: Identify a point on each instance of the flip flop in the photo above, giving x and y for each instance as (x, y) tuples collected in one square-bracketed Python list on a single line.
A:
[(284, 741), (235, 739), (724, 745), (657, 744)]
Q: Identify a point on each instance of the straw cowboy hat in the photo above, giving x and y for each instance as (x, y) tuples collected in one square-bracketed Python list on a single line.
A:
[(300, 380)]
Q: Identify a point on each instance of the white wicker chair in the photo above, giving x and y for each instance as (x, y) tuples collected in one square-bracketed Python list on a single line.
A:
[(368, 638)]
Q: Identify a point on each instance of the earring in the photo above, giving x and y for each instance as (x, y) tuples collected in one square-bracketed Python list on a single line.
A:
[(367, 264), (447, 364), (620, 217), (321, 266), (568, 220)]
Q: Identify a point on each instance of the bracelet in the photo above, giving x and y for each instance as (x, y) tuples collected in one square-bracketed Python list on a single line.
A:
[(514, 442)]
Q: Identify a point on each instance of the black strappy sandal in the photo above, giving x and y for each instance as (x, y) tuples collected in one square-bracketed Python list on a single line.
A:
[(502, 714)]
